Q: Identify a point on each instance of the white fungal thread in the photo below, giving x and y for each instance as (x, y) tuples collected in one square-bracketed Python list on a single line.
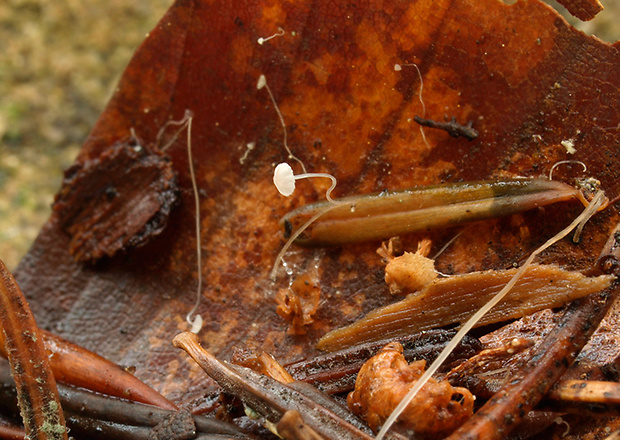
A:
[(445, 246), (284, 180), (136, 140), (262, 83), (182, 123), (274, 271), (560, 421), (196, 323), (589, 184), (589, 211), (280, 33), (398, 68), (248, 147), (562, 162), (186, 123)]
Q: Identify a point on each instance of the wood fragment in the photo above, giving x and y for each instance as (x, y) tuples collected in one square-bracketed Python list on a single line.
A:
[(451, 127), (266, 396), (335, 372), (455, 298), (584, 10), (292, 427), (264, 363), (609, 260), (267, 365), (503, 412), (579, 396), (36, 387), (178, 425), (117, 201)]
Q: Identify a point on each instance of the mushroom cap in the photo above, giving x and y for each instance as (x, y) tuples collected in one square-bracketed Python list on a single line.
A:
[(262, 81), (283, 179)]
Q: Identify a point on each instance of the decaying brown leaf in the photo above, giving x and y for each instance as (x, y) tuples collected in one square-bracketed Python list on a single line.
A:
[(528, 81)]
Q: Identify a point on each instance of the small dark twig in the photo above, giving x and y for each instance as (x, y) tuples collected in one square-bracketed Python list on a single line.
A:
[(336, 372), (452, 127), (268, 397), (12, 433), (101, 414)]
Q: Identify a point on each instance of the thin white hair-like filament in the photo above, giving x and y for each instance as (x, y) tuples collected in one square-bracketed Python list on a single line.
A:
[(597, 200)]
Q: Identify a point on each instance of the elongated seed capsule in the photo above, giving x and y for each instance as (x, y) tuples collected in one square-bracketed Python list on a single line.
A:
[(384, 215)]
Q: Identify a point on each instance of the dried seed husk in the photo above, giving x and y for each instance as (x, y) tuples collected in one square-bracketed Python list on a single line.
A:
[(385, 215), (387, 377), (75, 365), (454, 299)]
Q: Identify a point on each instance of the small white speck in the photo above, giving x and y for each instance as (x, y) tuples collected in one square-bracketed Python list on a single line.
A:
[(569, 144)]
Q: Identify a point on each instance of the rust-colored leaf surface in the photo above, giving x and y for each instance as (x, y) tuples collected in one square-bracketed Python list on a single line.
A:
[(530, 84)]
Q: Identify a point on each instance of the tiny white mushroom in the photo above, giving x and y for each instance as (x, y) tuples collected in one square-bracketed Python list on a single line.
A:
[(262, 40), (284, 180)]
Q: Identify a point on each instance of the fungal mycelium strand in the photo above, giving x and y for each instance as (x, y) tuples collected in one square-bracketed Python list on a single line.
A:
[(596, 202), (388, 214), (262, 83), (284, 181), (196, 323), (186, 123), (398, 68), (262, 40)]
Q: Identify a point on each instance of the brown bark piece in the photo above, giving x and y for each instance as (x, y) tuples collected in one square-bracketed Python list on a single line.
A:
[(178, 426), (117, 201), (584, 10)]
